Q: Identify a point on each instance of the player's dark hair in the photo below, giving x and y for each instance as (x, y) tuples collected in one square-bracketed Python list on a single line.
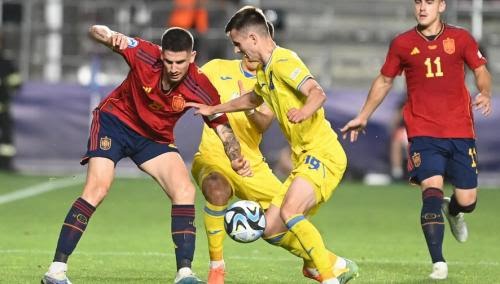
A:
[(177, 39), (246, 17)]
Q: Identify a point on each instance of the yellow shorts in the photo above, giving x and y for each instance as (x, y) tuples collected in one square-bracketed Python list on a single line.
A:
[(323, 170), (261, 187)]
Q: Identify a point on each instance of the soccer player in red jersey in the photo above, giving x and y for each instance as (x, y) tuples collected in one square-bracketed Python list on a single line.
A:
[(438, 118), (137, 120)]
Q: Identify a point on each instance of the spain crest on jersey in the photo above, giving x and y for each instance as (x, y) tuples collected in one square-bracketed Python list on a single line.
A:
[(449, 45), (178, 103)]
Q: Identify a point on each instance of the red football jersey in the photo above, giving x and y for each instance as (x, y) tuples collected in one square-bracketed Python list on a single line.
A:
[(140, 102), (439, 104)]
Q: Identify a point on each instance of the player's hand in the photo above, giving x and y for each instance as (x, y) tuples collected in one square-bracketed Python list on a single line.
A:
[(296, 115), (119, 41), (242, 167), (355, 126), (202, 109), (483, 103)]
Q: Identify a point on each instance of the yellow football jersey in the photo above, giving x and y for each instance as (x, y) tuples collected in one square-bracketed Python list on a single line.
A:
[(224, 75), (278, 83)]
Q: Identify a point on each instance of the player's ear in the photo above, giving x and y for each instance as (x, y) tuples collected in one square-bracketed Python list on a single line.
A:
[(193, 56), (442, 6), (253, 37)]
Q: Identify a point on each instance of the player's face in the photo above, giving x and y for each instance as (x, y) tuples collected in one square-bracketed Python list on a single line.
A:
[(427, 12), (176, 63), (244, 43)]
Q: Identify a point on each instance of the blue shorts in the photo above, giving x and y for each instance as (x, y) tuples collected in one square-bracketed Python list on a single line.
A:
[(110, 138), (454, 159)]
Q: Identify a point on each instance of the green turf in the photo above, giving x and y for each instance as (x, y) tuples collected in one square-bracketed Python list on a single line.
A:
[(128, 238)]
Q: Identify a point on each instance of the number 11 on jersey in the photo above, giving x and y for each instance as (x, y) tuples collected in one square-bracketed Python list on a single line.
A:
[(436, 62)]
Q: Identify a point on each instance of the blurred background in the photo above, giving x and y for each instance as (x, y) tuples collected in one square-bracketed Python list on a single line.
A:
[(53, 75)]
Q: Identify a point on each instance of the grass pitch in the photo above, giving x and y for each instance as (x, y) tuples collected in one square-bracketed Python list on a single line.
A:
[(128, 238)]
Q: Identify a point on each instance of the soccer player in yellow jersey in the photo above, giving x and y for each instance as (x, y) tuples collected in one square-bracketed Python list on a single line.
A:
[(285, 84), (213, 173), (212, 170)]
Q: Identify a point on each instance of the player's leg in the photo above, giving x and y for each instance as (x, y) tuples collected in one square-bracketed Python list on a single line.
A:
[(299, 199), (104, 150), (276, 233), (169, 170), (454, 211), (264, 187), (462, 171), (427, 168), (99, 178), (217, 192), (312, 183), (432, 221)]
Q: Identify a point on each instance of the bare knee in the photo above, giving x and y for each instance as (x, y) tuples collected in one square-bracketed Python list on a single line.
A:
[(184, 193), (95, 193), (216, 189), (434, 182), (466, 198)]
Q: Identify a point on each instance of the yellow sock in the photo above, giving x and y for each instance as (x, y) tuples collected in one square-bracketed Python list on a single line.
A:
[(213, 216), (313, 244), (333, 258), (289, 241)]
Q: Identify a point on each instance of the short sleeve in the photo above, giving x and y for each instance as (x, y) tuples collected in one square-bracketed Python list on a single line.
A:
[(392, 66), (471, 53), (291, 70), (208, 95), (139, 50)]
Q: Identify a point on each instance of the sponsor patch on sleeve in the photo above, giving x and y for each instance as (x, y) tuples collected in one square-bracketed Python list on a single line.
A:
[(295, 73), (132, 42)]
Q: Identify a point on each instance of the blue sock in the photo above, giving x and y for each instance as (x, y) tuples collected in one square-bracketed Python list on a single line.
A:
[(456, 208), (74, 225), (183, 234), (432, 222)]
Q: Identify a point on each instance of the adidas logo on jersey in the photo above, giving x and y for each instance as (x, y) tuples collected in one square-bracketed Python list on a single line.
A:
[(415, 51), (146, 89)]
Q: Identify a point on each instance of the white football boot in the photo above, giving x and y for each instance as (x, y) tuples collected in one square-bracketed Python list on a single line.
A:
[(186, 276), (439, 271), (457, 223)]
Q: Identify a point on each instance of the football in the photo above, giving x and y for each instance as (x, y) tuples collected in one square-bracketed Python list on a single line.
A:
[(244, 221)]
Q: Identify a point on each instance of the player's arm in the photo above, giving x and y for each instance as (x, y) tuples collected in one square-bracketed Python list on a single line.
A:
[(261, 119), (109, 38), (247, 101), (233, 149), (483, 82), (316, 97), (378, 91)]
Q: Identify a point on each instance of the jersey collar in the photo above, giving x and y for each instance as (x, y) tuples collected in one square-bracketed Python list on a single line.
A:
[(245, 73), (437, 35)]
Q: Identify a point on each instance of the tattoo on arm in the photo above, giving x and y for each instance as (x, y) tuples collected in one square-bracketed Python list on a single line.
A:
[(101, 34), (231, 144)]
